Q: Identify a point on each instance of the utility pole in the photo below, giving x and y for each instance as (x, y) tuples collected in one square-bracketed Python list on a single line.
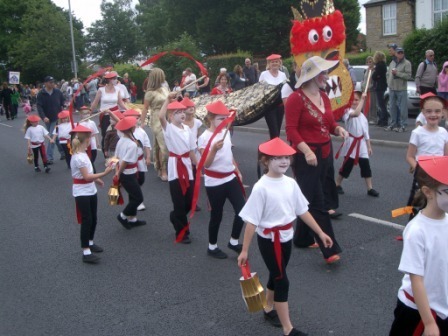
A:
[(75, 66)]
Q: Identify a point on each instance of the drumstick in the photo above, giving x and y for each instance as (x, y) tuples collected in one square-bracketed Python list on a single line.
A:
[(187, 86), (368, 81), (227, 129), (93, 115)]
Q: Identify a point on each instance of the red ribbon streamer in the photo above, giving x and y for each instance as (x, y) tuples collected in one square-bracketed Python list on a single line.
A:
[(367, 105), (421, 326), (156, 57), (356, 143), (277, 244), (182, 171)]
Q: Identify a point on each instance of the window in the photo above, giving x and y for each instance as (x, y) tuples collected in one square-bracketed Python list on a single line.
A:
[(440, 10), (390, 18)]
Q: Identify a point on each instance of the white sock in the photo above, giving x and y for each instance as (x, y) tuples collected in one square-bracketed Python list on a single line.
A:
[(87, 252), (233, 242), (90, 242), (212, 246), (133, 220), (122, 215)]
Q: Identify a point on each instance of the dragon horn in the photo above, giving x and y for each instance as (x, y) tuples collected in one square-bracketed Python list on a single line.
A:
[(297, 15)]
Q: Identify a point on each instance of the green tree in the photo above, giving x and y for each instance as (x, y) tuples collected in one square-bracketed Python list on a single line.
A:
[(40, 43), (352, 17), (113, 39)]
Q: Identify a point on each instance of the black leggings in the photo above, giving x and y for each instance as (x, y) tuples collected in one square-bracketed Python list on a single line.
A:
[(67, 154), (36, 152), (274, 119), (217, 197), (311, 182), (181, 205), (407, 319), (364, 165), (280, 287), (130, 184), (141, 178), (87, 205), (104, 124)]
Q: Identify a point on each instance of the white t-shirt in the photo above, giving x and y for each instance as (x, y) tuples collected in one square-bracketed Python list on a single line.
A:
[(274, 202), (357, 126), (196, 126), (36, 134), (179, 141), (108, 100), (126, 150), (63, 132), (189, 80), (286, 90), (429, 143), (425, 253), (268, 78), (124, 93), (421, 118), (91, 125), (141, 135), (81, 160), (223, 162)]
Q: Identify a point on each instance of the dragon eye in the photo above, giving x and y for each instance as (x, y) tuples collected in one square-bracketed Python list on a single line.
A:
[(313, 36), (327, 33)]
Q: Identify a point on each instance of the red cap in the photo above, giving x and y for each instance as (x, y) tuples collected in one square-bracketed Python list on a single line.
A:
[(273, 57), (126, 123), (111, 74), (63, 114), (217, 107), (131, 113), (276, 147), (33, 118), (118, 114), (187, 102), (176, 106), (430, 95), (436, 167), (81, 129)]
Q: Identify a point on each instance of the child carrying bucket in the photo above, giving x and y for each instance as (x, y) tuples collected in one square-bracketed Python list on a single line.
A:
[(275, 202)]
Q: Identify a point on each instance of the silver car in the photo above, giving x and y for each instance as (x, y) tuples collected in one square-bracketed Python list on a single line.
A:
[(413, 96)]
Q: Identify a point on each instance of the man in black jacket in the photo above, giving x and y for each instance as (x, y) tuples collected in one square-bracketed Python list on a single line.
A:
[(50, 101)]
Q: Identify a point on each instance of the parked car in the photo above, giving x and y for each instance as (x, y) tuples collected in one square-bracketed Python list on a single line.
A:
[(413, 96)]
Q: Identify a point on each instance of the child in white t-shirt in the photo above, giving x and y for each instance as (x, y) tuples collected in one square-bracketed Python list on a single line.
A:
[(62, 132), (181, 145), (275, 202), (92, 150), (36, 135), (356, 148), (422, 307), (421, 120)]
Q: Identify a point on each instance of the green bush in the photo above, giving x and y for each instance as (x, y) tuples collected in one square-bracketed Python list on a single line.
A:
[(228, 61)]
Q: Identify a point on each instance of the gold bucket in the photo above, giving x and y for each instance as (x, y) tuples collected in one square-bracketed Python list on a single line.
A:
[(29, 158), (113, 194), (253, 293)]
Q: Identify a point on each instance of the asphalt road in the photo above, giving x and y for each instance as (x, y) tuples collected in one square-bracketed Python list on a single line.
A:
[(147, 285)]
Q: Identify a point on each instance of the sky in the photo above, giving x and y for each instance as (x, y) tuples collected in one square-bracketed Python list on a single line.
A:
[(88, 11)]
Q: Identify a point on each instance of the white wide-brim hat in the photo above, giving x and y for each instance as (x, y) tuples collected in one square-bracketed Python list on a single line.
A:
[(312, 67)]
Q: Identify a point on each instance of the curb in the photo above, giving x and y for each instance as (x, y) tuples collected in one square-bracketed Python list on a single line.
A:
[(376, 142)]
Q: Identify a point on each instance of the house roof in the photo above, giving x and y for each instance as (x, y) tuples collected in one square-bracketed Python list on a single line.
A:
[(372, 3)]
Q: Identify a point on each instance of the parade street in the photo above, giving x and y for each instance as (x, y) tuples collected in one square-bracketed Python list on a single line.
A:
[(145, 284)]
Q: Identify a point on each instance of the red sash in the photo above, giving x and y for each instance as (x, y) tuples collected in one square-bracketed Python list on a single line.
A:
[(141, 157), (63, 139), (44, 152), (131, 165), (78, 212), (356, 143), (277, 244), (182, 171), (219, 175), (420, 327)]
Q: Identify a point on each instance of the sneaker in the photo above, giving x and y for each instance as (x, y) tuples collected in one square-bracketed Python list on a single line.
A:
[(402, 129), (396, 129), (186, 240), (340, 190), (137, 223), (295, 332), (95, 248), (37, 169), (237, 248), (216, 253), (90, 259), (373, 192), (388, 128), (334, 258), (141, 207), (124, 222), (47, 169), (50, 162), (272, 318)]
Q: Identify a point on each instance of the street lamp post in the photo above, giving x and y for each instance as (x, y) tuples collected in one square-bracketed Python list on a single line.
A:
[(75, 66)]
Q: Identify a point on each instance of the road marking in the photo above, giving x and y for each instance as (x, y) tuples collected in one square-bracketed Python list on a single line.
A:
[(5, 125), (377, 221)]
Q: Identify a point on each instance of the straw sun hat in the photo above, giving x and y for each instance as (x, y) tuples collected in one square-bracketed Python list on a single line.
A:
[(312, 67)]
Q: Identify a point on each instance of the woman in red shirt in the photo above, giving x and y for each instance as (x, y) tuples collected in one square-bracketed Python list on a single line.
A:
[(223, 86), (309, 123)]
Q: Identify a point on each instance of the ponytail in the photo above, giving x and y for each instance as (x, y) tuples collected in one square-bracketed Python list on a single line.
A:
[(77, 140), (26, 125), (423, 180)]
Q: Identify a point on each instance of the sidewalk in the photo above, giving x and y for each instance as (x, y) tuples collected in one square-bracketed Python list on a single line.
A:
[(378, 136)]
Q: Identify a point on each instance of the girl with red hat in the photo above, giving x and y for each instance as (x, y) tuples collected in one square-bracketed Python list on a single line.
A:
[(89, 123), (275, 202), (181, 146), (36, 135), (192, 122), (85, 192), (422, 306), (222, 180), (126, 173), (62, 132)]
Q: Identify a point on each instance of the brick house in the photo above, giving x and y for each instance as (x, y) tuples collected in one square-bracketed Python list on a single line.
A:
[(430, 12), (389, 22)]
